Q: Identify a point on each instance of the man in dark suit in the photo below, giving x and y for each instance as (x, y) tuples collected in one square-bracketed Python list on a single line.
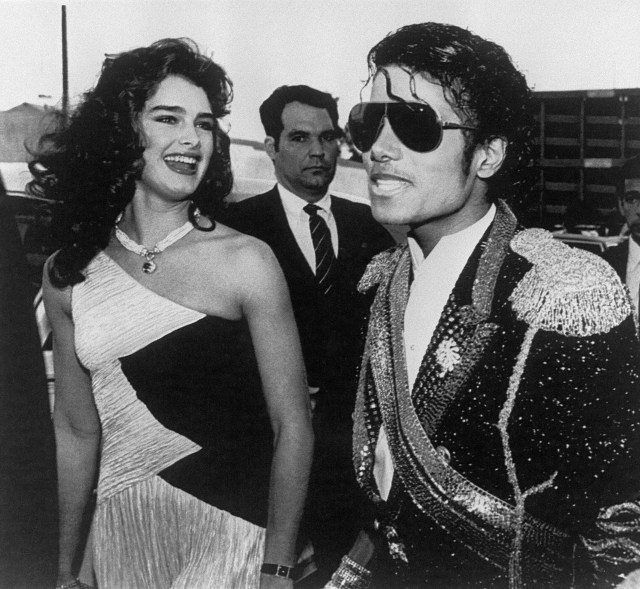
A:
[(625, 257), (323, 244)]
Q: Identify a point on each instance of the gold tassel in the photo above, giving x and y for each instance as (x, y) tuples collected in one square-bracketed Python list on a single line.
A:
[(569, 291)]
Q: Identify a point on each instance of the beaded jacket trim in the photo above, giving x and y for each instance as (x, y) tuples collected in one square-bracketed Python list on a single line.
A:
[(567, 290), (498, 532)]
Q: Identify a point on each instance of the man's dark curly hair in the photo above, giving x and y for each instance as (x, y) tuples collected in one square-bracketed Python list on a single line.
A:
[(481, 84), (271, 109), (90, 163)]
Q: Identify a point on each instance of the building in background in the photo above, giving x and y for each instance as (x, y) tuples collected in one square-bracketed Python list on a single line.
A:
[(19, 127), (583, 137)]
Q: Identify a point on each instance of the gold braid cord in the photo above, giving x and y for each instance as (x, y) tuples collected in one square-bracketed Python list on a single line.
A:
[(620, 522), (568, 291)]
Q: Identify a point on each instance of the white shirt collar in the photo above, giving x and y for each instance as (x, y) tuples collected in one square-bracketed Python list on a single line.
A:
[(634, 254), (463, 242), (434, 278), (294, 204)]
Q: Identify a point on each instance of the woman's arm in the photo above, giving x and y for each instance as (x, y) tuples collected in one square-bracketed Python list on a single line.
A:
[(76, 425), (274, 334)]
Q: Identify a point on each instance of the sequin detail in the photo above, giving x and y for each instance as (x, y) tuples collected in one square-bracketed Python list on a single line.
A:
[(620, 524), (379, 268), (479, 519), (534, 387), (568, 290), (447, 355), (515, 560)]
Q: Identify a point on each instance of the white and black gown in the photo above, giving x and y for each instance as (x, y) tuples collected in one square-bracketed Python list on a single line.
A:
[(186, 442)]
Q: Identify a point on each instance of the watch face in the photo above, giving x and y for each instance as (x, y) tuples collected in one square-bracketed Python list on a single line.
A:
[(277, 570)]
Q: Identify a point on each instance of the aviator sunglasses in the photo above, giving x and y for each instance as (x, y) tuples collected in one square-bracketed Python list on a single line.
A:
[(418, 126)]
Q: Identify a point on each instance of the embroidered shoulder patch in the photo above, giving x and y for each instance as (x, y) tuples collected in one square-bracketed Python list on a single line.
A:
[(380, 266), (568, 290)]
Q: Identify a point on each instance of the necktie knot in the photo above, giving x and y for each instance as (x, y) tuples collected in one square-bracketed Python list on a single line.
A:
[(311, 210)]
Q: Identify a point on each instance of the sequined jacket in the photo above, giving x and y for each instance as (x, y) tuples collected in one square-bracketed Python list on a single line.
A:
[(517, 448)]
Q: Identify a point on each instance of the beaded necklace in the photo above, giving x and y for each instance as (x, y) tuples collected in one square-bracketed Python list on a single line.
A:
[(149, 254)]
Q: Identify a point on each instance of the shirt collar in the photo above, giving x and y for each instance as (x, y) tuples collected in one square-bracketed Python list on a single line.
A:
[(464, 240), (293, 204), (634, 253)]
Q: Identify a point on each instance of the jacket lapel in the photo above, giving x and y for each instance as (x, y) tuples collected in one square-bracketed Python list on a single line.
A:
[(282, 240), (458, 343), (463, 333)]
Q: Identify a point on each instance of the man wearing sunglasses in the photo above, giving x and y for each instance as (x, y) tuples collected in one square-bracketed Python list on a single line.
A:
[(496, 424), (323, 244), (625, 257)]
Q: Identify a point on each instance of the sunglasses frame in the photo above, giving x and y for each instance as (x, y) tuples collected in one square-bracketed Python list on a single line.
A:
[(442, 125)]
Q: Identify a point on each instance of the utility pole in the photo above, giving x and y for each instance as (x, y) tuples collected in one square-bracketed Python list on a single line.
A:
[(65, 65)]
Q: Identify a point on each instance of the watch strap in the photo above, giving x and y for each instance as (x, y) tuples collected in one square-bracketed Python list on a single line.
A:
[(277, 570)]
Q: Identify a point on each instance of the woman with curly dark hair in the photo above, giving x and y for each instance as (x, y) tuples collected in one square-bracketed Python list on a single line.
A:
[(178, 368)]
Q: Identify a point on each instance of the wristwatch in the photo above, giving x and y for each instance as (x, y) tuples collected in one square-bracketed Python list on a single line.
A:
[(277, 570)]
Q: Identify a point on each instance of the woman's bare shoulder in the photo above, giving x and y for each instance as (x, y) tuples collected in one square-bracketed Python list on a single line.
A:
[(248, 264), (239, 248)]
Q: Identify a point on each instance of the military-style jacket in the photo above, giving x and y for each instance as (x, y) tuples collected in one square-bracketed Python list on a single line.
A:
[(516, 452)]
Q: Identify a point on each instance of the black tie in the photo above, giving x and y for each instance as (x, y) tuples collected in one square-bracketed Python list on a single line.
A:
[(325, 258)]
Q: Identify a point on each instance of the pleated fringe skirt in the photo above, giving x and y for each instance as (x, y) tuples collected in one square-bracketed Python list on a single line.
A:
[(154, 536)]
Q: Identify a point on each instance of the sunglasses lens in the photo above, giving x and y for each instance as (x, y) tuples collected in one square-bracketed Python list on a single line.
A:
[(416, 125), (364, 124)]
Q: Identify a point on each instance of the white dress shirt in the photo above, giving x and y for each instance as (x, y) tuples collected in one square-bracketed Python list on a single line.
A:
[(633, 271), (434, 279), (299, 222)]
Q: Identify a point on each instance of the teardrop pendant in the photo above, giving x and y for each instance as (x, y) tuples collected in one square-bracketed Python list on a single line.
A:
[(149, 267)]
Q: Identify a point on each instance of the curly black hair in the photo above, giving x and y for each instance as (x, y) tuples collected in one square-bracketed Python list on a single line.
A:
[(89, 163), (482, 85)]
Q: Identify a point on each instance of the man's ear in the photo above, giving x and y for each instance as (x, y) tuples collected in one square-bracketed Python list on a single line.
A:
[(270, 146), (491, 157)]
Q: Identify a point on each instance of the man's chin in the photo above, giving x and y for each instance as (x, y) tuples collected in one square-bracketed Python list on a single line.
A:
[(320, 185), (386, 215)]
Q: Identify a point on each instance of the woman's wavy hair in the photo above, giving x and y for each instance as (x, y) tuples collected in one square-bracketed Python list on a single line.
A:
[(482, 85), (89, 163)]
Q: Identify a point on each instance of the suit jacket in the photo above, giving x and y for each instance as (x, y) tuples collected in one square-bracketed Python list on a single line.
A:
[(513, 450), (330, 327), (617, 256), (28, 491)]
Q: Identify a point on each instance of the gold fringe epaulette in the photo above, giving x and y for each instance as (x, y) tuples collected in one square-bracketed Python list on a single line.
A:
[(380, 267), (568, 290)]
